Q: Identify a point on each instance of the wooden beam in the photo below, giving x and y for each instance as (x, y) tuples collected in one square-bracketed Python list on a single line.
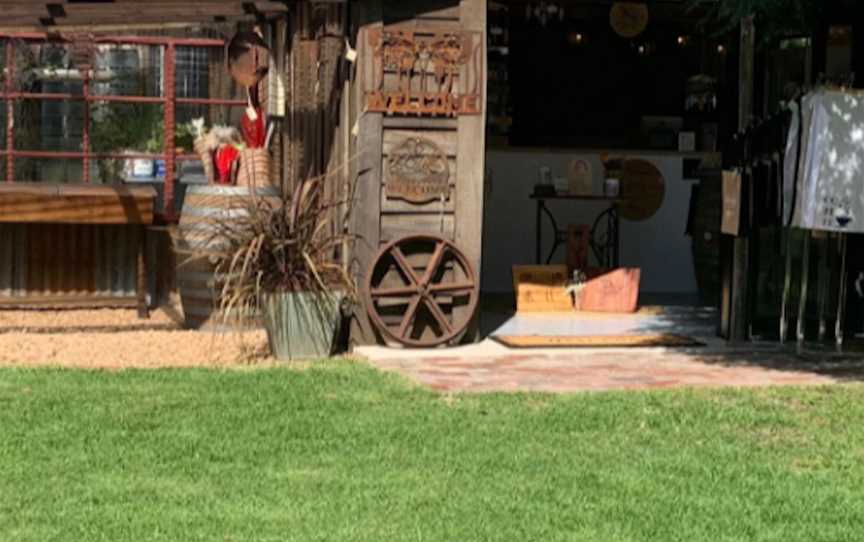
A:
[(739, 313), (76, 204), (471, 159), (369, 147)]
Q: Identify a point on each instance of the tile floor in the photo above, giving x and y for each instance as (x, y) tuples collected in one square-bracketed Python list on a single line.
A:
[(491, 367)]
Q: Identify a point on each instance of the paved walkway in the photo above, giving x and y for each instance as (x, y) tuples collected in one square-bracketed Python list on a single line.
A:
[(490, 367)]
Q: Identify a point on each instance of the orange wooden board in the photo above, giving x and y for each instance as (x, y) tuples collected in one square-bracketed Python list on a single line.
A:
[(76, 204)]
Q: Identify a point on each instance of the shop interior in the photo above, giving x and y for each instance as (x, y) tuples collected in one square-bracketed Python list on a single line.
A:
[(607, 126)]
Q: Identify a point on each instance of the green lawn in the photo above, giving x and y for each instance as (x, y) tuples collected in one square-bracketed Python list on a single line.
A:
[(341, 452)]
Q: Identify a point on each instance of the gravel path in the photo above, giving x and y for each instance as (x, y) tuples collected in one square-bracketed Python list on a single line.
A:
[(117, 339)]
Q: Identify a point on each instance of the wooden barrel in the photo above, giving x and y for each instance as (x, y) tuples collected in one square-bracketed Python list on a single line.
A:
[(204, 208)]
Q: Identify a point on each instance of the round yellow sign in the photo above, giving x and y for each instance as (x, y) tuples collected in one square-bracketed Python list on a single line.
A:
[(629, 19)]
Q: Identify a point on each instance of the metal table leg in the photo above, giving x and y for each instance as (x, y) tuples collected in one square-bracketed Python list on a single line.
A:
[(805, 277), (841, 296), (787, 288), (538, 232), (824, 280), (141, 286)]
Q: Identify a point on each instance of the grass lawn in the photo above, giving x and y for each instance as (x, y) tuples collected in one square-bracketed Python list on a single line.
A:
[(341, 452)]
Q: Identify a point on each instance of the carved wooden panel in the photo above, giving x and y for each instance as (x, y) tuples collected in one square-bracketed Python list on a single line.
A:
[(426, 73), (418, 171)]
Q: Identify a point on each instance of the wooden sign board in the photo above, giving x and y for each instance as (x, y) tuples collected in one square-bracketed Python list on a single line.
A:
[(610, 290), (424, 72), (731, 203), (418, 171)]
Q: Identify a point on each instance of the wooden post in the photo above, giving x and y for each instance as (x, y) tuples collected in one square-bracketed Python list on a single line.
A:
[(739, 317), (141, 283), (369, 148), (471, 158)]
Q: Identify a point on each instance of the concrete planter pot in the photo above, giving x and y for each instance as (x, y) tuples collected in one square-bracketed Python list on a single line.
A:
[(302, 325)]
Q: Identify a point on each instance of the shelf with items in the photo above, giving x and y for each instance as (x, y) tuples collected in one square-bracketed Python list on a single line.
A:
[(499, 108)]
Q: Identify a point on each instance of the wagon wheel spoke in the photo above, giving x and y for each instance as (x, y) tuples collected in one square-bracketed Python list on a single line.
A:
[(403, 291), (407, 320), (434, 263), (426, 289), (403, 264), (452, 288), (439, 316)]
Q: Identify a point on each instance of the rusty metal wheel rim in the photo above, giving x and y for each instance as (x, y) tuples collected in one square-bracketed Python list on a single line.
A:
[(422, 291)]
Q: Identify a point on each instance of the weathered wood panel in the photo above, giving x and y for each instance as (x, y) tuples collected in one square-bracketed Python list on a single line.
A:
[(392, 205), (26, 203), (368, 148), (445, 140), (471, 159), (456, 138), (394, 226)]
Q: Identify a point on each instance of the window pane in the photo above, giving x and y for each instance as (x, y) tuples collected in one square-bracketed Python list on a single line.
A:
[(45, 68), (213, 115), (200, 73), (48, 170), (128, 70), (127, 170), (193, 72), (49, 125), (120, 127)]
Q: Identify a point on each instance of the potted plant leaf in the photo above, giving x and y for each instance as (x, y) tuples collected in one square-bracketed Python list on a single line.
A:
[(284, 259)]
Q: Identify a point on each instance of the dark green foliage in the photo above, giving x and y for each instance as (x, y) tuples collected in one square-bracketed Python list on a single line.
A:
[(775, 18)]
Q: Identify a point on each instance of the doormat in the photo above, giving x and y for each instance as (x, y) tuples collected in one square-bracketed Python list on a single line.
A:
[(599, 341)]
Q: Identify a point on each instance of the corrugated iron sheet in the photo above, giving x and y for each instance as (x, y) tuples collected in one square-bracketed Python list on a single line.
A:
[(67, 260)]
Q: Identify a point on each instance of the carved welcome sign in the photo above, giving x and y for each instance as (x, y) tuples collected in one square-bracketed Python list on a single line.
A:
[(426, 73)]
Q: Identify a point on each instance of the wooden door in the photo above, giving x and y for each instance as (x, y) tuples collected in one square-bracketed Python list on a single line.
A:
[(448, 122)]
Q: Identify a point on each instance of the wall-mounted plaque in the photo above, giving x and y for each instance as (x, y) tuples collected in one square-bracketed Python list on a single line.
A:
[(425, 72), (629, 19), (417, 171), (643, 190)]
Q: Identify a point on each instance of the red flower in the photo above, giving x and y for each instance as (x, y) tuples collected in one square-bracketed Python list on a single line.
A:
[(225, 158)]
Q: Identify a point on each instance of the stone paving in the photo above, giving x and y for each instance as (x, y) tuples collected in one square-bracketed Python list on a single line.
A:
[(491, 367)]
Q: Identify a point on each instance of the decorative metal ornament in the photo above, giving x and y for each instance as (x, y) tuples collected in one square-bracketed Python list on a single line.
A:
[(629, 19), (418, 171), (643, 190), (248, 58), (421, 291), (436, 73)]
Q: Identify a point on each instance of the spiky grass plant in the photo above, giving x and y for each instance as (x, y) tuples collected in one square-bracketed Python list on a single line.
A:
[(267, 245)]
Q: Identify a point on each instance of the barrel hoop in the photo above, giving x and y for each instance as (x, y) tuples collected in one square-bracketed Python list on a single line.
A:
[(264, 191)]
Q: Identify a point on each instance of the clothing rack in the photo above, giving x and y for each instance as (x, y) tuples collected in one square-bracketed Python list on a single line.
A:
[(758, 153)]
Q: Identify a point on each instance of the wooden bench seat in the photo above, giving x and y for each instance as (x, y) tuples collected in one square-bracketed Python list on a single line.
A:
[(76, 204), (44, 206)]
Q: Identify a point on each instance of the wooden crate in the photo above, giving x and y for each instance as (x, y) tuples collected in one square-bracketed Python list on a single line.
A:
[(541, 288), (610, 290)]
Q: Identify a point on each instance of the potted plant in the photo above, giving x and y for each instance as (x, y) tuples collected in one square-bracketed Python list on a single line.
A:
[(283, 259)]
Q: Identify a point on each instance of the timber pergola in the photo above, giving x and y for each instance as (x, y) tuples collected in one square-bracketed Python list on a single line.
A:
[(129, 15), (107, 22)]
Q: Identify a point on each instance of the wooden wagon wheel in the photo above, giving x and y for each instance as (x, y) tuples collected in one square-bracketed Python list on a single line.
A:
[(408, 295)]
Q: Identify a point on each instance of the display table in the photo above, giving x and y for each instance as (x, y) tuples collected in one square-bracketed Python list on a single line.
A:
[(605, 239), (78, 206)]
